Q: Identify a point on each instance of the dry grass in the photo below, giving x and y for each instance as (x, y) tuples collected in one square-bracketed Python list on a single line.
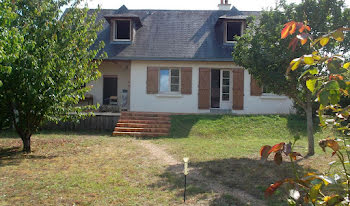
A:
[(81, 170)]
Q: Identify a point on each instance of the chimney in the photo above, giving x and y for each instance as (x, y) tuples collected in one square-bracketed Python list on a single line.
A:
[(224, 6)]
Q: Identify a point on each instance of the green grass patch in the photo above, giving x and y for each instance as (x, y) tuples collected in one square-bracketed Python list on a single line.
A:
[(208, 137), (226, 148)]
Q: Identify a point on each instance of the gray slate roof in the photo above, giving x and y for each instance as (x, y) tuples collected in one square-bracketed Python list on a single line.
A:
[(171, 35)]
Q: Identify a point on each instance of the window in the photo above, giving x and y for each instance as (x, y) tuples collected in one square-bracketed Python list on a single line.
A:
[(122, 30), (225, 85), (169, 80), (233, 29), (266, 90)]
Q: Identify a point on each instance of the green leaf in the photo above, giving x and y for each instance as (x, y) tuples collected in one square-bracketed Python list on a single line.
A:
[(308, 59), (310, 84), (338, 35), (295, 66), (335, 67), (323, 97), (315, 191), (324, 41), (313, 71), (346, 65), (291, 202), (332, 85), (334, 96), (333, 200), (342, 84)]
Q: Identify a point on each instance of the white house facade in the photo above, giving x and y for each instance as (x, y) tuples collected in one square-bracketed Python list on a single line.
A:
[(178, 62)]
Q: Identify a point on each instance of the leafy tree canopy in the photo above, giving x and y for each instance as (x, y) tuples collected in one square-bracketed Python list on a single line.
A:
[(50, 67), (266, 56)]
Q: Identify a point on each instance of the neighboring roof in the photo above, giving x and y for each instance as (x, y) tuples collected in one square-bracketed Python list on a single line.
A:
[(171, 35)]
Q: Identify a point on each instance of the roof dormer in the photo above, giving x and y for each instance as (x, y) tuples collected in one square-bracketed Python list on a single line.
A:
[(232, 26), (123, 25)]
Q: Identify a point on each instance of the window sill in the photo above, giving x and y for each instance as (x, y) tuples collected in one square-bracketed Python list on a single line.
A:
[(169, 95), (121, 42), (228, 43), (272, 96)]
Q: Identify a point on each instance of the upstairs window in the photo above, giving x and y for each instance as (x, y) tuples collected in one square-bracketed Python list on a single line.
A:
[(169, 80), (122, 30), (233, 29)]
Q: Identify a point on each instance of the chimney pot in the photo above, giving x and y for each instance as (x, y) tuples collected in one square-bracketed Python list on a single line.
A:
[(224, 5)]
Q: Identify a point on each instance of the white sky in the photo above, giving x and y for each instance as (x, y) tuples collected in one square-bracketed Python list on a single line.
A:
[(243, 5)]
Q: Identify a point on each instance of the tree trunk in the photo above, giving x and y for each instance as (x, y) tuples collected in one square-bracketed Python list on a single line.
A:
[(310, 131), (26, 144)]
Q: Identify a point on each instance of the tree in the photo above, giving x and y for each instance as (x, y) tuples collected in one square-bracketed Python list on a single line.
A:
[(326, 77), (58, 56), (264, 54)]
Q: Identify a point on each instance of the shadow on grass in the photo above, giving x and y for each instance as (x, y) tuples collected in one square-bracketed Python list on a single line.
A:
[(11, 134), (14, 155), (250, 176), (67, 132)]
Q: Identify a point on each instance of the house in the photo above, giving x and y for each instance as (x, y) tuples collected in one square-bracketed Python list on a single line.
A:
[(178, 61)]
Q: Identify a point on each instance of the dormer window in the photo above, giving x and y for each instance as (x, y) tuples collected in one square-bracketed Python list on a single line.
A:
[(232, 29), (122, 30)]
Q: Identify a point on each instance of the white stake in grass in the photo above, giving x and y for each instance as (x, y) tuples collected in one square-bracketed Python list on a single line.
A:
[(185, 173)]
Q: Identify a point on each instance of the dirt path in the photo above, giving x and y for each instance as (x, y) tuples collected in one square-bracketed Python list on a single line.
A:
[(162, 156)]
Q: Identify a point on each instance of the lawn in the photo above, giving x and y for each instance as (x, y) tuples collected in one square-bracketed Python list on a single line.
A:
[(97, 169), (81, 169), (226, 148)]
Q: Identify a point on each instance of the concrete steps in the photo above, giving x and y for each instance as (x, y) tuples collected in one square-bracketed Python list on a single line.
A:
[(143, 124)]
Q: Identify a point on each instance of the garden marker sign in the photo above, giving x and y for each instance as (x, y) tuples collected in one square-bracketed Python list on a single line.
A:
[(185, 173)]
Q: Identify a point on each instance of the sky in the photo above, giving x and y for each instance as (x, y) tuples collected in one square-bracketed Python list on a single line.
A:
[(243, 5)]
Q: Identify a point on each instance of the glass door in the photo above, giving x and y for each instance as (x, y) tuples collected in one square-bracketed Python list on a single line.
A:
[(226, 89)]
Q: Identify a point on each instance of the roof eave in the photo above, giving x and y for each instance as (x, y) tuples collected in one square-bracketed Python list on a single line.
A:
[(172, 59)]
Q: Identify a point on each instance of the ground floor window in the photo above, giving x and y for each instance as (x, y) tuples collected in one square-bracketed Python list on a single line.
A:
[(266, 90), (169, 80)]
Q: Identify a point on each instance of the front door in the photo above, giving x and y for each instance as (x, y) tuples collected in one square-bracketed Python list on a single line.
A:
[(215, 88)]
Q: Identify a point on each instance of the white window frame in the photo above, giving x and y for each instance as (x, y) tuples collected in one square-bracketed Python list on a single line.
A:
[(169, 81), (225, 29), (222, 85), (115, 28)]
